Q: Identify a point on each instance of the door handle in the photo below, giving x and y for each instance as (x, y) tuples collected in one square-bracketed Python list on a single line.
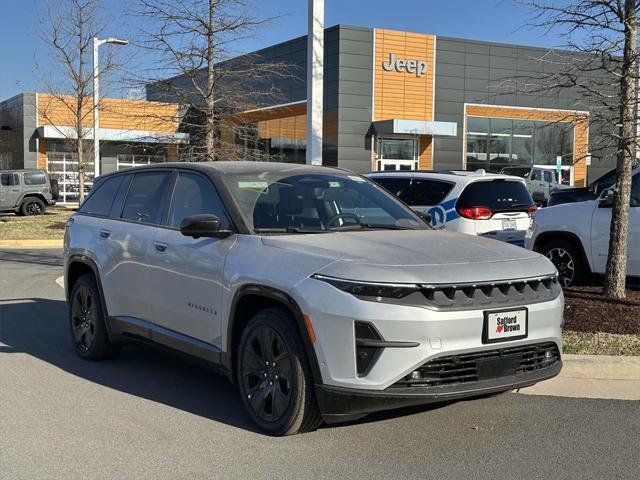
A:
[(160, 247), (104, 234)]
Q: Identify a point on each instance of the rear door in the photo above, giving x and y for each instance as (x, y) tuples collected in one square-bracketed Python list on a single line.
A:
[(126, 236), (503, 205), (186, 274)]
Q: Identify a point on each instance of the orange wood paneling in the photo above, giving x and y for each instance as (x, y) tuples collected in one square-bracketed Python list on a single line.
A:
[(286, 127), (115, 113), (42, 155), (426, 153), (580, 121), (403, 94)]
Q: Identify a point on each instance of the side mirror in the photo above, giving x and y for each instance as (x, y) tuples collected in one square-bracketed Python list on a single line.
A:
[(203, 225), (605, 199), (426, 216)]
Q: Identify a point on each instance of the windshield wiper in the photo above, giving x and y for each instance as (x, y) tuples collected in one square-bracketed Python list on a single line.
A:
[(372, 226), (288, 230)]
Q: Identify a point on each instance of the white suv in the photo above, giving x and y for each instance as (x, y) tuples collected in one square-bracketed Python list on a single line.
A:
[(317, 292), (477, 203), (575, 236)]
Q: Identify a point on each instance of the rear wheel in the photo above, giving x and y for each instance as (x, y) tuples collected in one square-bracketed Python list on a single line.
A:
[(32, 206), (568, 259), (274, 375), (86, 320)]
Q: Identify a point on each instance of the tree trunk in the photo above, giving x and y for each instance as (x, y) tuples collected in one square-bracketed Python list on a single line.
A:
[(80, 171), (210, 114), (615, 276)]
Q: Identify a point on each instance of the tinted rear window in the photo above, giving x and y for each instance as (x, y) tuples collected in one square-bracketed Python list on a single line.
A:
[(396, 186), (498, 195), (145, 198), (35, 178), (100, 200)]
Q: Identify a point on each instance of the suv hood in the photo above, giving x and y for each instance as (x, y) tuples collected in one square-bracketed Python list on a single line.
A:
[(416, 256)]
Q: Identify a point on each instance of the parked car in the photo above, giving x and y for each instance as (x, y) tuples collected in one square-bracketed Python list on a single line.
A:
[(319, 294), (25, 192), (575, 236), (582, 194), (540, 181), (477, 203)]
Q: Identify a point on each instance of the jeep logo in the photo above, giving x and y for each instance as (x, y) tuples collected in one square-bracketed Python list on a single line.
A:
[(419, 67)]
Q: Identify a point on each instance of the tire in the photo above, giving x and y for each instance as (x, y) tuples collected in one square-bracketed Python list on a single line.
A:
[(275, 383), (32, 206), (568, 259), (86, 320)]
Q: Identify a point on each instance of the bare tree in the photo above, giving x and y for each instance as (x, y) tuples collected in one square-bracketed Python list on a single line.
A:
[(69, 28), (600, 65), (192, 41)]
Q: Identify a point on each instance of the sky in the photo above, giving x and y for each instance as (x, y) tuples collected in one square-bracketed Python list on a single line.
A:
[(21, 22)]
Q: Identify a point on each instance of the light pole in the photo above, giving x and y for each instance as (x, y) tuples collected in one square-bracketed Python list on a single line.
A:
[(96, 114), (315, 79)]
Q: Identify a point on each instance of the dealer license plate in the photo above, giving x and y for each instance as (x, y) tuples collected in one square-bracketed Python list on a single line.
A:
[(509, 224), (505, 325)]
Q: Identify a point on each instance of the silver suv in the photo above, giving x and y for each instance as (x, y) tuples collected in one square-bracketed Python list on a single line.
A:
[(322, 296), (26, 192)]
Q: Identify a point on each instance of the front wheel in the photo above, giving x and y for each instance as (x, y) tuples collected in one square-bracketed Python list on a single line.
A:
[(567, 258), (274, 376)]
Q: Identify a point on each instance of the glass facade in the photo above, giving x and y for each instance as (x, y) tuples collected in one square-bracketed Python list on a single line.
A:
[(496, 143)]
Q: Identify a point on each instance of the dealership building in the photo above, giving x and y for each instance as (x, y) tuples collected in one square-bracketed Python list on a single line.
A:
[(398, 100), (36, 131)]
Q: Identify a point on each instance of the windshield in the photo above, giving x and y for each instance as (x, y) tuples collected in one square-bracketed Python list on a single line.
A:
[(310, 203)]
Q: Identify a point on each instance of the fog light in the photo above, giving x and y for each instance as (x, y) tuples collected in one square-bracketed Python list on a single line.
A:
[(415, 375)]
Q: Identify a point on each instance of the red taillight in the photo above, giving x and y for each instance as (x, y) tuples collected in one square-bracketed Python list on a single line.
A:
[(475, 213), (532, 209)]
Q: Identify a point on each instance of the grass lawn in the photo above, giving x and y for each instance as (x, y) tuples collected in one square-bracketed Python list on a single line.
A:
[(38, 227), (600, 343)]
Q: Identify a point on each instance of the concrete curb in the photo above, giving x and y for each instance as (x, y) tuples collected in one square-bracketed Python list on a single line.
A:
[(31, 243), (593, 376)]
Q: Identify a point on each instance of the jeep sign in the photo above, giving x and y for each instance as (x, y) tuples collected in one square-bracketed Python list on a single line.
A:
[(419, 67)]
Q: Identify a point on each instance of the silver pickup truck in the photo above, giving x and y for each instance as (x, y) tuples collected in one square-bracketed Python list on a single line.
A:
[(540, 181)]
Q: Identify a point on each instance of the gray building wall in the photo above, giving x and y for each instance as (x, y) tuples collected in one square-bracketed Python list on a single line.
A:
[(11, 133), (469, 71)]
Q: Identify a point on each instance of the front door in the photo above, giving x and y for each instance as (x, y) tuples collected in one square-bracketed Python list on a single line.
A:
[(392, 165), (600, 228), (187, 273), (10, 190)]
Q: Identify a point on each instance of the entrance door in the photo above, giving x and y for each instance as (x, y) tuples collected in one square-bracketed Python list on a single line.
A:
[(397, 153)]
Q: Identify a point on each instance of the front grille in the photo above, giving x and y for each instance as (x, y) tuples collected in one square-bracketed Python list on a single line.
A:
[(480, 295), (483, 365)]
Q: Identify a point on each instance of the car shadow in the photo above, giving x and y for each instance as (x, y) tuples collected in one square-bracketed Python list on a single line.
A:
[(47, 258), (38, 327)]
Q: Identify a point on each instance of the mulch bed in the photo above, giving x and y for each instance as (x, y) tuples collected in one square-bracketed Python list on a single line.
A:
[(586, 310)]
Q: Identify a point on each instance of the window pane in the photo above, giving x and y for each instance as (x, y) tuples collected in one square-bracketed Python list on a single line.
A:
[(144, 200), (35, 178), (99, 201), (397, 149), (498, 195), (477, 142), (428, 192), (553, 140), (521, 143), (499, 144), (193, 195), (5, 179)]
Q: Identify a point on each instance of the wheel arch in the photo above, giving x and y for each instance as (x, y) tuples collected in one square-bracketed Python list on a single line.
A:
[(249, 300), (39, 196), (78, 265), (546, 237)]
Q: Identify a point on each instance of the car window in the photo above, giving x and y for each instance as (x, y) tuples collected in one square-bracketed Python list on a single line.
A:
[(100, 200), (497, 195), (145, 198), (548, 177), (6, 179), (194, 194), (536, 175), (635, 191), (428, 192), (397, 186), (35, 178)]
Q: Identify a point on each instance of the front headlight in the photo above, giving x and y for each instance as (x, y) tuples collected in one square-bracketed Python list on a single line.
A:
[(369, 289)]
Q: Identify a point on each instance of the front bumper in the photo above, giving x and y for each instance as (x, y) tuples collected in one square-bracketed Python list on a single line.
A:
[(339, 404)]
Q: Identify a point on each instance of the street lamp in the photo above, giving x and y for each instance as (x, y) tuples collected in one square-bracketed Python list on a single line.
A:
[(96, 114)]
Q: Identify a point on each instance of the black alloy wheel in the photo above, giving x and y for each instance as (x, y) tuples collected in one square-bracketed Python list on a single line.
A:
[(568, 260), (274, 376), (33, 206)]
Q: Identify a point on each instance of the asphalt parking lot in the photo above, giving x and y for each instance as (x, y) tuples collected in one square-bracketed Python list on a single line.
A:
[(146, 414)]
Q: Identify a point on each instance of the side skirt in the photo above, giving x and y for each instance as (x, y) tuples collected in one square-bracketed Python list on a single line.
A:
[(135, 330)]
